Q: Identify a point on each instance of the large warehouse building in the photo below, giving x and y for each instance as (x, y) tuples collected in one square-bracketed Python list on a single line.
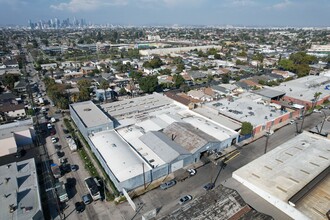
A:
[(294, 177), (148, 137)]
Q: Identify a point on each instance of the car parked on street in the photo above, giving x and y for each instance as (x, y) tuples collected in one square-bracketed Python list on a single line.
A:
[(87, 199), (79, 206), (73, 167), (54, 140), (168, 184), (60, 154), (192, 172), (185, 199), (208, 186)]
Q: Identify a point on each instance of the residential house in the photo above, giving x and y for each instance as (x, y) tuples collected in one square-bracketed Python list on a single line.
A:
[(107, 94), (20, 86), (284, 74), (197, 75), (87, 69), (11, 63), (9, 110), (49, 66), (200, 95)]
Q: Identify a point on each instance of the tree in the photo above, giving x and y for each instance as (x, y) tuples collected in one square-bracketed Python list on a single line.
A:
[(180, 67), (9, 80), (316, 98), (165, 72), (104, 85), (259, 57), (122, 91), (84, 89), (247, 128), (148, 84), (225, 78), (154, 63), (217, 56), (135, 75), (178, 80)]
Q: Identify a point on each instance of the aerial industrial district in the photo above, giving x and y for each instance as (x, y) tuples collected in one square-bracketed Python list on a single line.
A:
[(164, 123)]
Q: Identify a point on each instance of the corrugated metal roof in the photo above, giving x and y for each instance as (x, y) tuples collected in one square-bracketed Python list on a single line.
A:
[(269, 93), (189, 137), (163, 146)]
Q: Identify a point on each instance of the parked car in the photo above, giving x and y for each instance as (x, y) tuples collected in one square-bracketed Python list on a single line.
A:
[(73, 167), (60, 154), (65, 168), (168, 184), (54, 139), (208, 186), (20, 153), (87, 199), (185, 199), (53, 132), (192, 172), (80, 207), (57, 147)]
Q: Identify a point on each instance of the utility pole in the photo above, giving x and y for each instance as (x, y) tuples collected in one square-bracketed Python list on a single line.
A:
[(303, 119), (266, 145), (144, 178)]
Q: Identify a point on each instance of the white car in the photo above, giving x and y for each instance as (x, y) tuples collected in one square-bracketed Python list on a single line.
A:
[(185, 199), (54, 139), (192, 172)]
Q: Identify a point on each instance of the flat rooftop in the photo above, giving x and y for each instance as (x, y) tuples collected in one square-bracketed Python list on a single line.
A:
[(122, 160), (90, 114), (136, 107), (19, 187), (316, 203), (288, 168), (304, 88), (7, 146), (132, 135), (213, 115), (7, 130), (159, 118), (247, 107)]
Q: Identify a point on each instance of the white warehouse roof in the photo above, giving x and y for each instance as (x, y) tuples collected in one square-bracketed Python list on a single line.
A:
[(122, 160), (283, 172)]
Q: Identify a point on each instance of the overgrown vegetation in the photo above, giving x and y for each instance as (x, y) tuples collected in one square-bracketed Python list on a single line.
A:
[(247, 128)]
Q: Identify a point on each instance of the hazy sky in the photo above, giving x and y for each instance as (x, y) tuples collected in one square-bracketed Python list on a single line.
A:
[(182, 12)]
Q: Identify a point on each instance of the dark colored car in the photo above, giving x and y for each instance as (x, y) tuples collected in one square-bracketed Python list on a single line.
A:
[(73, 167), (20, 153), (60, 154), (80, 207), (65, 168), (65, 131), (53, 132), (208, 186), (168, 184), (57, 147)]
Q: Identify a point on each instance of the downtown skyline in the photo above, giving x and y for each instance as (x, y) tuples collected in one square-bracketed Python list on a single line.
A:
[(278, 13)]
